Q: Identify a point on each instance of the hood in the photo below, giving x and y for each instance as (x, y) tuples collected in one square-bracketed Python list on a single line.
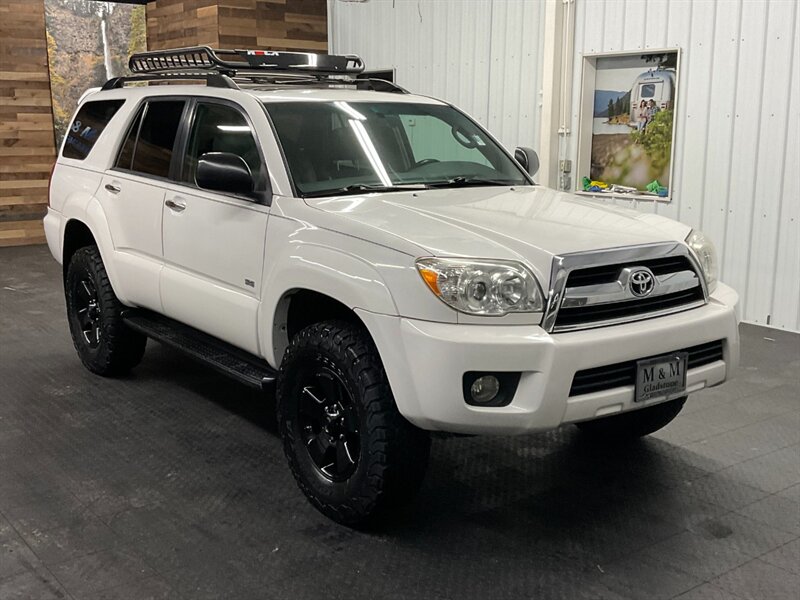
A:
[(530, 223)]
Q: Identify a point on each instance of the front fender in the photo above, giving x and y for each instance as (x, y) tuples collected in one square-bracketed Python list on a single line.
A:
[(337, 273)]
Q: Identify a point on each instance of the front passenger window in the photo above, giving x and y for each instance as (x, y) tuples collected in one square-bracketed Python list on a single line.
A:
[(221, 128)]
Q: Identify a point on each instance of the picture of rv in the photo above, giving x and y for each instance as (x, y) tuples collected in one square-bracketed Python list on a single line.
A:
[(657, 85)]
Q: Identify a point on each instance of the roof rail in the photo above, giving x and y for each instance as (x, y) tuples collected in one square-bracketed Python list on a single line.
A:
[(211, 79), (228, 68)]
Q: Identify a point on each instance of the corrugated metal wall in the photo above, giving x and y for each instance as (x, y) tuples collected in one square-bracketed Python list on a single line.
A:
[(457, 50), (737, 155)]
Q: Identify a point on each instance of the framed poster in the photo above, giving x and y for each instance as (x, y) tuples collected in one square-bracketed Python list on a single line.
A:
[(627, 132), (88, 43)]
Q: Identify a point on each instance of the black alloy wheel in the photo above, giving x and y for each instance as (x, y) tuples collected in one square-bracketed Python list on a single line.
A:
[(328, 422), (352, 453), (88, 311)]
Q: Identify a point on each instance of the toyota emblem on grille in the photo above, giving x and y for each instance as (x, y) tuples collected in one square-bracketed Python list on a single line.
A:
[(641, 282)]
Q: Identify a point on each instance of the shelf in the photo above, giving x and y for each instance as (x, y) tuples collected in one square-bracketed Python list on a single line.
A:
[(618, 196)]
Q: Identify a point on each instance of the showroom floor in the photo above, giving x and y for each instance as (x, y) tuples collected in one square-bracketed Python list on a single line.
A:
[(171, 483)]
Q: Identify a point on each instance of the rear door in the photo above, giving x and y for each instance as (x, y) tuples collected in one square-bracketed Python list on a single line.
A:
[(132, 195), (214, 242)]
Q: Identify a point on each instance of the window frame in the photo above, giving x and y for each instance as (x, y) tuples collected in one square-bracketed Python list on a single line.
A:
[(259, 196), (144, 105)]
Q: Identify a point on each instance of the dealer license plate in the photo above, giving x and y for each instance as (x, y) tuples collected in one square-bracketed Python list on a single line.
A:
[(661, 377)]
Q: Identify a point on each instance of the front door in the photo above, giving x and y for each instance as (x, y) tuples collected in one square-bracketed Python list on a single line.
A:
[(214, 242)]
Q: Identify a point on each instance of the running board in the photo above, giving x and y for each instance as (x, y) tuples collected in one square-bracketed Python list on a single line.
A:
[(225, 358)]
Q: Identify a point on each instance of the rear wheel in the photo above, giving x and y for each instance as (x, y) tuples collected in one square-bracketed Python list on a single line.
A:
[(633, 424), (104, 343), (352, 453)]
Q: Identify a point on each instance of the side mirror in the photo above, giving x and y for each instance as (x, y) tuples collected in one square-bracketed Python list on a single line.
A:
[(224, 172), (528, 158)]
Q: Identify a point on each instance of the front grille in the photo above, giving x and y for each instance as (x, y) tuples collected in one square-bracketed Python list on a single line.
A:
[(609, 300), (587, 315), (608, 377), (609, 273)]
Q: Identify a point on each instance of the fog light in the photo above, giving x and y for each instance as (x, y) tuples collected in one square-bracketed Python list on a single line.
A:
[(484, 389)]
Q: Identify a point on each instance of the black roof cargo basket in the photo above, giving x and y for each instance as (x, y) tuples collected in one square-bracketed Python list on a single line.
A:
[(227, 68), (229, 62)]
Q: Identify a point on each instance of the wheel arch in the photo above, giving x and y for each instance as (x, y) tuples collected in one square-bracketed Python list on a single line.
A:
[(300, 307), (77, 235), (85, 226), (328, 282)]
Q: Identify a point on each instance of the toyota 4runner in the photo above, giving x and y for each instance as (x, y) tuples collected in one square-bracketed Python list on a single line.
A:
[(377, 258)]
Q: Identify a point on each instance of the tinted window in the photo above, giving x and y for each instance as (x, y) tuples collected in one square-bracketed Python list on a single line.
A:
[(220, 128), (157, 137), (125, 157), (87, 126)]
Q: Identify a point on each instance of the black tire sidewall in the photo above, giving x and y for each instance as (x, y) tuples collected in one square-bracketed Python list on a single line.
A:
[(393, 454), (79, 268), (120, 348)]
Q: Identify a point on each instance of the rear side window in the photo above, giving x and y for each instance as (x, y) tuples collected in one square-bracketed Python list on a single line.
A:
[(150, 142), (87, 126)]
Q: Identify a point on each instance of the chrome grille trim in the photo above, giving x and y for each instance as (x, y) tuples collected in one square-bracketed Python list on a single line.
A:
[(619, 291), (627, 256)]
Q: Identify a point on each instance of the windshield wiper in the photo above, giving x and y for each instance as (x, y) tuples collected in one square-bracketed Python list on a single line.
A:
[(363, 187), (468, 181)]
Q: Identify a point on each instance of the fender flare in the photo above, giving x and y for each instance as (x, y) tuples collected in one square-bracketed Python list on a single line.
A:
[(91, 215), (344, 277)]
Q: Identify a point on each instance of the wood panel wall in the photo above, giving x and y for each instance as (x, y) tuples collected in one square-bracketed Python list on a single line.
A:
[(266, 24), (274, 24), (179, 23), (27, 143)]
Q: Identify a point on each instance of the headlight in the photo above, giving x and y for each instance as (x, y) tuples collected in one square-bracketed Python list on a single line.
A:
[(482, 287), (707, 256)]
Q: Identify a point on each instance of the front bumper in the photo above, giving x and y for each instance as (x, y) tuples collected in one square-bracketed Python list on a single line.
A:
[(425, 363)]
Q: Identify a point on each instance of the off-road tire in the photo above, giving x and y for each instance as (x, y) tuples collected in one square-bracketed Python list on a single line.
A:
[(392, 455), (119, 348), (634, 424)]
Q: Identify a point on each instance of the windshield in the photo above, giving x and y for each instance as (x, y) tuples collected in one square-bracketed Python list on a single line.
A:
[(350, 147)]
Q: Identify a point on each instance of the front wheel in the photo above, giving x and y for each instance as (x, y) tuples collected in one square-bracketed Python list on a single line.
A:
[(352, 453), (633, 424)]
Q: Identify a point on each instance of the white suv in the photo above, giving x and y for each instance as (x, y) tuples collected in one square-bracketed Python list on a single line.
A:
[(376, 256)]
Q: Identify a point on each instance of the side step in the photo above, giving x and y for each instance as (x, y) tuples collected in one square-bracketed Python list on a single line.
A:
[(219, 355)]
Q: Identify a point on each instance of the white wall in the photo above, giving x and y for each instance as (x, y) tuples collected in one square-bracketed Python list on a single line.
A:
[(481, 55), (737, 150), (737, 156)]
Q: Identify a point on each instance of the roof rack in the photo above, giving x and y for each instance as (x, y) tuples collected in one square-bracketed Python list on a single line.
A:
[(227, 68), (203, 57)]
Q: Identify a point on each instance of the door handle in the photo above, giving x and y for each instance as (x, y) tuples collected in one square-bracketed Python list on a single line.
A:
[(176, 206), (114, 189)]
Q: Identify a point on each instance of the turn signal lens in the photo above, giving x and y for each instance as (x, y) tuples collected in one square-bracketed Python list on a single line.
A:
[(431, 278)]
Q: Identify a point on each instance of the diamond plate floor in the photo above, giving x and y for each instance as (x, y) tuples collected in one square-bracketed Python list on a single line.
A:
[(171, 483)]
